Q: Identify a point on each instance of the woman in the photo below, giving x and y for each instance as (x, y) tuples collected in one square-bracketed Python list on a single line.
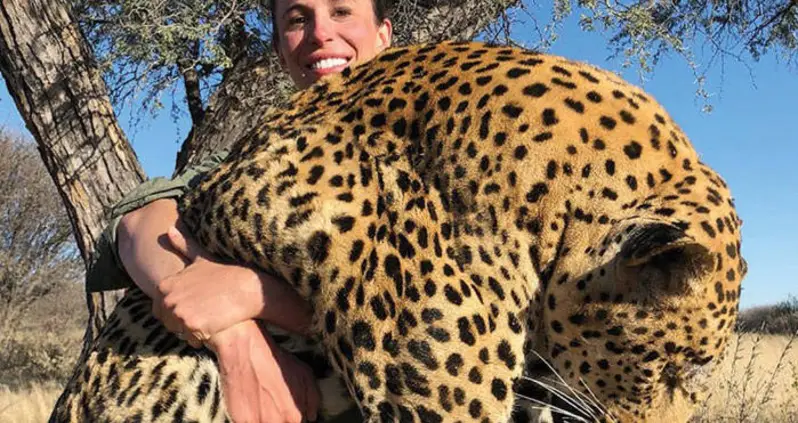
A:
[(205, 301)]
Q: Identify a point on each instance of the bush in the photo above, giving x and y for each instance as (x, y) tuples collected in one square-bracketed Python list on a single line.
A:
[(46, 340), (42, 310), (781, 318), (38, 357)]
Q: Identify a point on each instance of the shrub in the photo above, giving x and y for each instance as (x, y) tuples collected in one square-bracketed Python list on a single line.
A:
[(781, 318)]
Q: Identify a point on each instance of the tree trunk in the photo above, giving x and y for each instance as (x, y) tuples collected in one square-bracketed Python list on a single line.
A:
[(49, 71)]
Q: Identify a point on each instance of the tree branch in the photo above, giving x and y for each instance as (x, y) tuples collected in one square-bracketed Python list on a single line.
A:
[(191, 84)]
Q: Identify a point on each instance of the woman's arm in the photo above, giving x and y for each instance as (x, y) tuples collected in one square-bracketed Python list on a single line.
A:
[(192, 292), (213, 302), (143, 247)]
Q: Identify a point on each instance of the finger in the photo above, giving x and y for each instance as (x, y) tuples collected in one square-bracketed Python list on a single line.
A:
[(180, 243), (313, 397), (284, 397), (201, 336), (173, 326), (308, 389), (166, 318), (297, 396), (193, 340), (167, 313), (194, 247), (157, 311)]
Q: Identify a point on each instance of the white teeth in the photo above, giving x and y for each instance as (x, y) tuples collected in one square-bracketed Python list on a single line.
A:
[(328, 63)]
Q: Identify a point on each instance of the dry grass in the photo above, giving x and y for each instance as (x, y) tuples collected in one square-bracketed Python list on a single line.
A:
[(30, 405), (43, 345), (757, 382), (37, 356)]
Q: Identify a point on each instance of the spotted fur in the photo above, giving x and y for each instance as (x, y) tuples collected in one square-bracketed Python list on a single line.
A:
[(448, 210)]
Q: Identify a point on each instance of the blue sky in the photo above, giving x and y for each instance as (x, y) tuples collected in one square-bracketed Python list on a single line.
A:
[(751, 138)]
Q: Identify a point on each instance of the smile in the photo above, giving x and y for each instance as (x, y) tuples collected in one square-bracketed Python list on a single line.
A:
[(328, 63)]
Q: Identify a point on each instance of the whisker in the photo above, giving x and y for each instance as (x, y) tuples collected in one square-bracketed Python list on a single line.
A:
[(596, 403), (542, 406), (563, 396), (577, 395)]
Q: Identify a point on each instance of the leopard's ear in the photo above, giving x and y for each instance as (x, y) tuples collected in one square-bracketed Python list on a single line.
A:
[(659, 258)]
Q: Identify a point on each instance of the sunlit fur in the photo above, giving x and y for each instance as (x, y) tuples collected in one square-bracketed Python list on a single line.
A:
[(451, 211)]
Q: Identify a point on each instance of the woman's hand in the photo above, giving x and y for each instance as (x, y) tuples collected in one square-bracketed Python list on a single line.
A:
[(260, 381), (208, 296), (193, 293)]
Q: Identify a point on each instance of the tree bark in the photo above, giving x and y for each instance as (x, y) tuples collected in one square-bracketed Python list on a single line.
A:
[(191, 84), (48, 69), (247, 91)]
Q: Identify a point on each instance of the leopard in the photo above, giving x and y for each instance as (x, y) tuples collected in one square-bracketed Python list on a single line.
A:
[(457, 213)]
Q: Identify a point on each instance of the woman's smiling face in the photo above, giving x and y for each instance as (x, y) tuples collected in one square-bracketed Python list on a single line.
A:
[(322, 37)]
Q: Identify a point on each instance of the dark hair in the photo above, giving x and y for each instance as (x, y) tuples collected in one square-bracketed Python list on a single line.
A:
[(380, 8)]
